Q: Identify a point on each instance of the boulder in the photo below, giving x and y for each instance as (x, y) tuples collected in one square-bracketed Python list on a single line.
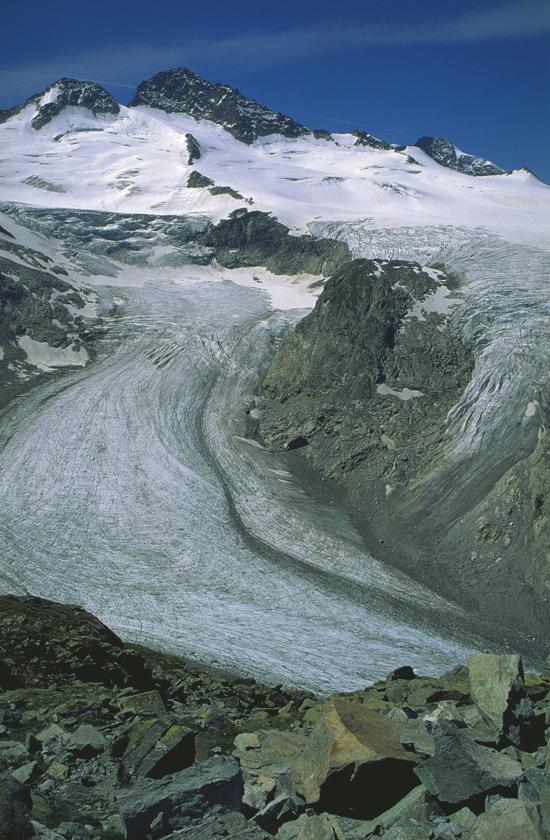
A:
[(285, 807), (462, 769), (511, 819), (498, 690), (232, 826), (12, 754), (353, 751), (147, 703), (540, 782), (311, 827), (186, 798), (15, 810), (259, 790), (410, 830), (155, 748), (26, 772), (269, 753), (86, 741)]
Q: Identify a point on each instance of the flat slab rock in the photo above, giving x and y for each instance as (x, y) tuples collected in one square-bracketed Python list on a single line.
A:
[(461, 768), (209, 788)]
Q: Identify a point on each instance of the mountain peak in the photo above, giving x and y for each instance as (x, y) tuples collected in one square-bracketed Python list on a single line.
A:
[(61, 94), (181, 91), (447, 154)]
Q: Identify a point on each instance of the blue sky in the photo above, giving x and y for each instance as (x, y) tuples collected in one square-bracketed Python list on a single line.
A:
[(476, 72)]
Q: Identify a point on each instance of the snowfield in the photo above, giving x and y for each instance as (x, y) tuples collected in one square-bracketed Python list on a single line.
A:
[(136, 162)]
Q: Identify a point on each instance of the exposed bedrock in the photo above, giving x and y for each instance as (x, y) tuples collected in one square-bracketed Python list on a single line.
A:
[(383, 388)]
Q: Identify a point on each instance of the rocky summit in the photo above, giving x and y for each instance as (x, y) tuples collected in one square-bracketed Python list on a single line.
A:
[(103, 741), (447, 154), (63, 94), (181, 91)]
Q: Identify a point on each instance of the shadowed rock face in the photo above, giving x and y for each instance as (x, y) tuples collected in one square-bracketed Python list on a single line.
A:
[(358, 362), (183, 92), (48, 644), (445, 153), (254, 238)]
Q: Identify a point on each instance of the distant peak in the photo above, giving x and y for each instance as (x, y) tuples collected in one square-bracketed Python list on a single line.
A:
[(366, 139), (184, 92), (63, 93), (447, 154)]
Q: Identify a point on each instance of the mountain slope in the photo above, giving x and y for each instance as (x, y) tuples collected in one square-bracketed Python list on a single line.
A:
[(139, 161)]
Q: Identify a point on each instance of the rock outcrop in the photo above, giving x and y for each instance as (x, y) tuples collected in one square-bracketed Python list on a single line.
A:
[(447, 154), (63, 644), (183, 92), (360, 393), (252, 238)]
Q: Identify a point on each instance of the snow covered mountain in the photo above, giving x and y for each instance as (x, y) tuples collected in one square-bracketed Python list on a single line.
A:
[(74, 146)]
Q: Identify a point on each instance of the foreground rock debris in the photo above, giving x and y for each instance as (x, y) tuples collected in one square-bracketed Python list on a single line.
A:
[(104, 740)]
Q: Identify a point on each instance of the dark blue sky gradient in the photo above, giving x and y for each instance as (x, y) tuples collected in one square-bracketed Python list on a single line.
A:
[(476, 72)]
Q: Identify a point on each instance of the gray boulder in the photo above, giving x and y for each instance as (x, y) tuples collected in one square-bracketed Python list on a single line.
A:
[(155, 748), (311, 827), (540, 782), (86, 741), (498, 690), (462, 769), (511, 819), (186, 798), (231, 826)]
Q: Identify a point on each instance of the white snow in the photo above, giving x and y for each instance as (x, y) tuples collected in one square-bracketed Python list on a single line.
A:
[(45, 357), (135, 162), (532, 408), (441, 302), (50, 95), (405, 394)]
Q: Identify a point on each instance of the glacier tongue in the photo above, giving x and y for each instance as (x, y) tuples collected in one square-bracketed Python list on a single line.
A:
[(129, 488)]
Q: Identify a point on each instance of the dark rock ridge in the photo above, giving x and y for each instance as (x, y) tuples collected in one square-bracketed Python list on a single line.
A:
[(175, 751), (67, 92), (253, 238), (366, 139), (446, 153), (183, 92)]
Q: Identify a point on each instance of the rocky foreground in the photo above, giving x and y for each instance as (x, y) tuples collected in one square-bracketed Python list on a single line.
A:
[(99, 739)]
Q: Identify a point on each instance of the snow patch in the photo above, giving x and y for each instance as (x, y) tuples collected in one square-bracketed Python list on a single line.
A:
[(45, 357), (405, 394), (531, 409)]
